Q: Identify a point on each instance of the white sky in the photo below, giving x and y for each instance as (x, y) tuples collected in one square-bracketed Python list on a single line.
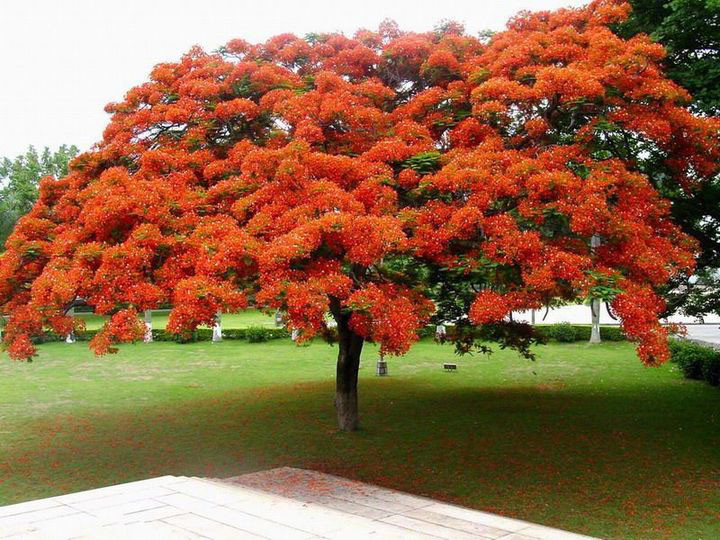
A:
[(64, 60)]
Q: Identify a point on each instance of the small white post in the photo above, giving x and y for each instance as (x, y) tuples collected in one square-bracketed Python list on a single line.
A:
[(148, 327), (217, 328), (70, 338), (532, 317), (440, 331)]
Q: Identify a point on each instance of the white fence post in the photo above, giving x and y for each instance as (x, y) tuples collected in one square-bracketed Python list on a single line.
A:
[(217, 328), (70, 338), (148, 326)]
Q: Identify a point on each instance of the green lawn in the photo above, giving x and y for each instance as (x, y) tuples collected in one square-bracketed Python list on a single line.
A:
[(243, 319), (585, 438)]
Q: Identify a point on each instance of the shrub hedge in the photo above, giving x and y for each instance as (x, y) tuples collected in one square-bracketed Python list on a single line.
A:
[(252, 334), (562, 332), (696, 361), (568, 333)]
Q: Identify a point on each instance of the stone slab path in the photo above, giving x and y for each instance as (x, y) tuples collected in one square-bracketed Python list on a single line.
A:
[(283, 504)]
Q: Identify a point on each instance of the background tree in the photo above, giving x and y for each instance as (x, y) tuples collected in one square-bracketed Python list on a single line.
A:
[(19, 182), (690, 32), (381, 179)]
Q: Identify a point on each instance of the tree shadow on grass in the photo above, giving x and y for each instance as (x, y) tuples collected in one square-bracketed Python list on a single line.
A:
[(610, 463)]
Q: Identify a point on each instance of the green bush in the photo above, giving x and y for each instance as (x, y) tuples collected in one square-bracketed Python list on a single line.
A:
[(257, 334), (562, 332), (696, 361), (711, 369), (568, 333), (272, 333), (675, 346), (427, 331), (690, 361), (162, 335), (611, 333), (582, 333), (233, 334), (51, 337)]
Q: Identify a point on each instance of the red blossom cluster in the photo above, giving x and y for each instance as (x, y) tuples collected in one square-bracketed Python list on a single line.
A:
[(389, 315), (290, 175)]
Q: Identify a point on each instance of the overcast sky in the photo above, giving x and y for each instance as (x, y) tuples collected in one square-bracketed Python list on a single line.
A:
[(64, 60)]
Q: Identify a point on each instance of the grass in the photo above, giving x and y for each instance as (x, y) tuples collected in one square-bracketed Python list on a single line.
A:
[(585, 438)]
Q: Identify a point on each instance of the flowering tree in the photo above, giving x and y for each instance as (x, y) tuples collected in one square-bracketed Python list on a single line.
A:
[(382, 179)]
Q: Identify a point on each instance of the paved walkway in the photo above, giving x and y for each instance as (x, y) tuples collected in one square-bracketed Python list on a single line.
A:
[(705, 333), (284, 504)]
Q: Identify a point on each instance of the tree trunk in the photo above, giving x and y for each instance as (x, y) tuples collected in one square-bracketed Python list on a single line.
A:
[(348, 363), (595, 303)]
